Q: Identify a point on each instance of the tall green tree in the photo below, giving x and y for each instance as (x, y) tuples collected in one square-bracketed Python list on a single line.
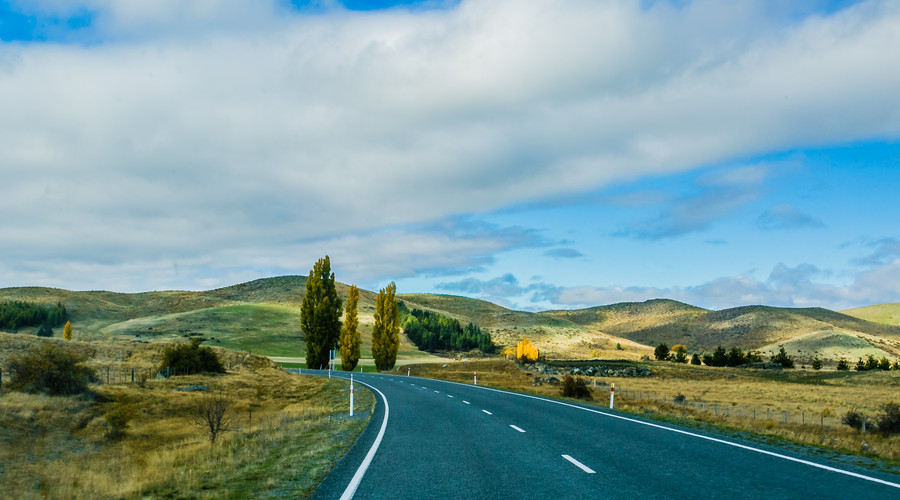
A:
[(350, 340), (386, 332), (320, 314)]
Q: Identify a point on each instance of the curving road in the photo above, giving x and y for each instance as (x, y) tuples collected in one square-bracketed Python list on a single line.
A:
[(449, 440)]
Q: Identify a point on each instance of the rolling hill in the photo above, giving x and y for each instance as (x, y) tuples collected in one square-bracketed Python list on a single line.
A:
[(263, 316)]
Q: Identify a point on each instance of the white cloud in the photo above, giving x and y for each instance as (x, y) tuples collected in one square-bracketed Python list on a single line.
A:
[(785, 287), (202, 130)]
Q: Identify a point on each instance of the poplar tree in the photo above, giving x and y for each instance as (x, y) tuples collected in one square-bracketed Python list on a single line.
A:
[(320, 314), (386, 332), (67, 331), (350, 340)]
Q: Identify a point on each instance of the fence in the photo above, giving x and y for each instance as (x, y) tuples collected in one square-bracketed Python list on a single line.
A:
[(119, 374), (767, 414)]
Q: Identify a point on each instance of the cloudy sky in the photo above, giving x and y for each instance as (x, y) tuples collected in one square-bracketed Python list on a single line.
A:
[(536, 153)]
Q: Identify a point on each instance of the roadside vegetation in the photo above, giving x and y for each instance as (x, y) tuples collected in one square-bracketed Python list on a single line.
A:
[(279, 435)]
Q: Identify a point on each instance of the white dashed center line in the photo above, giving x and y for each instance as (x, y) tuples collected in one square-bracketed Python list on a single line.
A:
[(579, 464), (517, 428), (449, 396), (437, 392), (489, 413), (466, 402)]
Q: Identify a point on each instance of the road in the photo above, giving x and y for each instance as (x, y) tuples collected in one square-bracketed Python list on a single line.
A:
[(449, 440)]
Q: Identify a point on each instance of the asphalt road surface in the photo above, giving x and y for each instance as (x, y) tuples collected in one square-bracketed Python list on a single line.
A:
[(435, 439)]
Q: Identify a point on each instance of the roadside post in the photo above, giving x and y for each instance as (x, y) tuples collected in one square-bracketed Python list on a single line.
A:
[(351, 394), (612, 394), (407, 371), (475, 380)]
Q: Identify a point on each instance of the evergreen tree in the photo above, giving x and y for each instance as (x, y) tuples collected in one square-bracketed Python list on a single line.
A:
[(350, 340), (320, 314), (67, 331), (386, 331)]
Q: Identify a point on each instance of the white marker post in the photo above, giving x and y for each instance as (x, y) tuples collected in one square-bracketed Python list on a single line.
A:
[(351, 394), (475, 380), (612, 394), (407, 371)]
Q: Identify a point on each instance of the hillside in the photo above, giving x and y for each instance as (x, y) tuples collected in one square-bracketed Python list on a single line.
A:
[(263, 316), (886, 314)]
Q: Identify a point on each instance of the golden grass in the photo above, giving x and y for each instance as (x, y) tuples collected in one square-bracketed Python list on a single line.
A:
[(810, 394), (288, 432)]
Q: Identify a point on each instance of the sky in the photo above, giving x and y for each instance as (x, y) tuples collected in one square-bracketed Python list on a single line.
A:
[(539, 154)]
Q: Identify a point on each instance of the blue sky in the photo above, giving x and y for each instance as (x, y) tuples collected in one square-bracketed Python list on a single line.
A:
[(537, 154)]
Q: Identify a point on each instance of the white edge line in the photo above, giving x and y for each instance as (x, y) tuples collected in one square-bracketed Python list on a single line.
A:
[(361, 471), (579, 464), (516, 427), (687, 433)]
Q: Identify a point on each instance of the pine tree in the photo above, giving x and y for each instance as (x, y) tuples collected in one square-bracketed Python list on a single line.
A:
[(67, 331), (350, 340), (320, 314), (386, 331)]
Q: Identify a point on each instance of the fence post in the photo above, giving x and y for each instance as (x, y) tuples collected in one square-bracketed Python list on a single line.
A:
[(785, 416), (864, 424), (132, 375)]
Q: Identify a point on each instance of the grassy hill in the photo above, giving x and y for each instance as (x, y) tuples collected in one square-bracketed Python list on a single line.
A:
[(263, 316), (886, 314)]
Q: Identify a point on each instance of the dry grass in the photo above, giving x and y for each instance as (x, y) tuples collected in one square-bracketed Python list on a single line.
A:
[(288, 432), (812, 394)]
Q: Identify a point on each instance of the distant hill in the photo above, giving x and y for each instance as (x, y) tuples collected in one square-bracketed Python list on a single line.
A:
[(263, 315), (887, 314)]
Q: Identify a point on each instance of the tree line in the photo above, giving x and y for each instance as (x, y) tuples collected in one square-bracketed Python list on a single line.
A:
[(720, 356), (16, 314), (431, 332)]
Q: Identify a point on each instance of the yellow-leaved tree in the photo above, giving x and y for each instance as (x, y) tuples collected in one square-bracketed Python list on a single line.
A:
[(350, 340), (386, 331), (526, 352), (67, 331)]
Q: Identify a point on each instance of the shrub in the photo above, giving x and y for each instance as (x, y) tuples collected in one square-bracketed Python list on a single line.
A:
[(212, 413), (896, 365), (117, 421), (816, 363), (661, 353), (576, 388), (678, 399), (45, 331), (854, 419), (50, 370), (695, 360), (884, 364), (526, 352), (783, 359), (186, 359), (888, 421), (843, 365)]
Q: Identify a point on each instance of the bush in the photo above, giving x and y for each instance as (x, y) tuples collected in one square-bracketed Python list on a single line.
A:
[(816, 363), (50, 370), (576, 388), (695, 360), (187, 359), (888, 421), (117, 421), (45, 331), (843, 365), (783, 359), (884, 364), (661, 353), (854, 419)]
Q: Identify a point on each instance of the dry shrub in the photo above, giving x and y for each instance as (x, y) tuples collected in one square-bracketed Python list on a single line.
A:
[(576, 388)]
